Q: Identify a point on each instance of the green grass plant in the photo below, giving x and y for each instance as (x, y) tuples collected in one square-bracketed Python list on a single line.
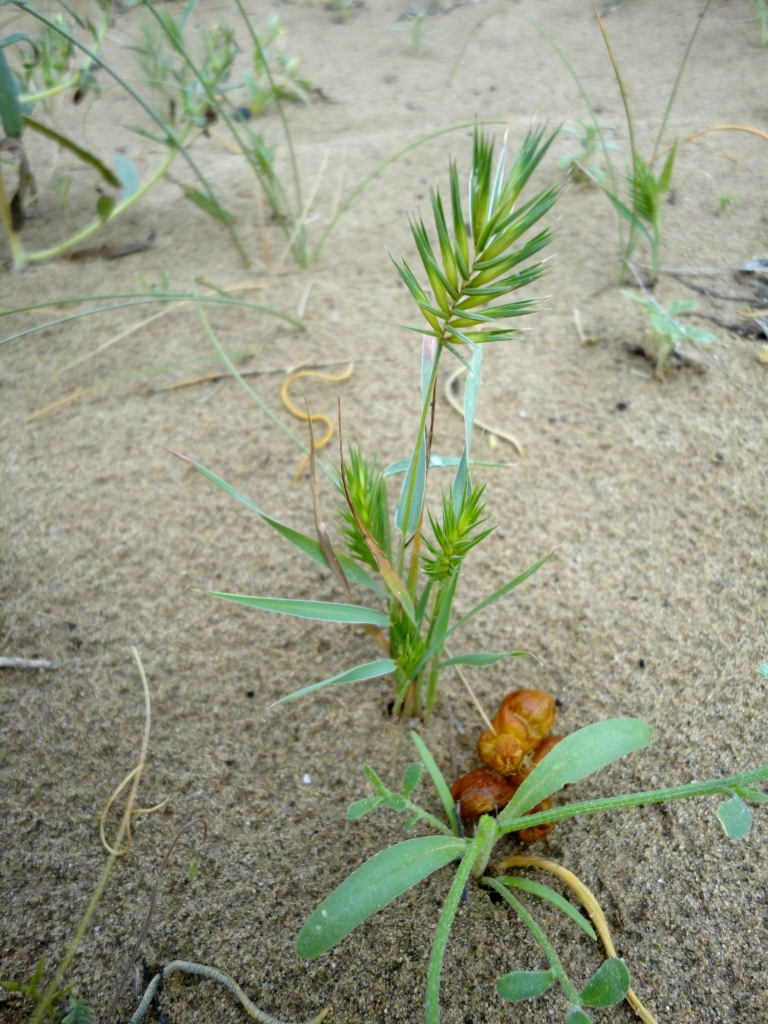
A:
[(394, 870), (470, 273)]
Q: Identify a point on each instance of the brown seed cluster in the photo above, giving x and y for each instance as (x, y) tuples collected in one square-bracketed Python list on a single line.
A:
[(511, 750)]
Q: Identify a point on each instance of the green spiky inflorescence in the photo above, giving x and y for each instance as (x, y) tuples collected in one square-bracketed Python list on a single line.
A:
[(455, 536), (482, 263)]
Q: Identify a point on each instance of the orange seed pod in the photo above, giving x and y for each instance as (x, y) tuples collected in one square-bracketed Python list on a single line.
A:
[(502, 752), (481, 791), (536, 709)]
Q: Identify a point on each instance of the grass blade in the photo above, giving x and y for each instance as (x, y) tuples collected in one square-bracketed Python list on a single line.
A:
[(308, 545), (321, 611), (358, 674), (545, 893), (501, 592)]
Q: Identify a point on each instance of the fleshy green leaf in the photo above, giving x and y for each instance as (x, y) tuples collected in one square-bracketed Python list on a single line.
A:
[(359, 674), (372, 886), (577, 756), (411, 777), (545, 893), (104, 207), (608, 985), (396, 802), (362, 807), (323, 611), (129, 179), (518, 985), (763, 670), (735, 817)]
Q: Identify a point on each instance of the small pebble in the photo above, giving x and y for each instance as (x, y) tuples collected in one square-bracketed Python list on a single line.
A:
[(306, 779)]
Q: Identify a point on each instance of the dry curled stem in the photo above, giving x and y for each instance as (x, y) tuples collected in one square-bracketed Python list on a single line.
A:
[(210, 972)]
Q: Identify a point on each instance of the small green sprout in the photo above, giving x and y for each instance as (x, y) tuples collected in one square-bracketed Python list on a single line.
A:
[(667, 332), (725, 201), (393, 871), (417, 30), (581, 165)]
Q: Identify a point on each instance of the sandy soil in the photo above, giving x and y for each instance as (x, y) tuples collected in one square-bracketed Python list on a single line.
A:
[(654, 604)]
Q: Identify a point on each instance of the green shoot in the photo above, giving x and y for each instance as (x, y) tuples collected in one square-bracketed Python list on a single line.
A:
[(667, 333)]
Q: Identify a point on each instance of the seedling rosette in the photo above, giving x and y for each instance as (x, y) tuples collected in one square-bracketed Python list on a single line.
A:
[(393, 871)]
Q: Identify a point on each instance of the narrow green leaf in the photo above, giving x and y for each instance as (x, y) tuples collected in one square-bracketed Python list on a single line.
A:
[(11, 114), (308, 545), (483, 658), (371, 887), (362, 807), (322, 611), (665, 178), (625, 213), (501, 592), (443, 790), (608, 985), (577, 756), (210, 205), (435, 462), (375, 781), (411, 777), (408, 512), (84, 155), (544, 892), (735, 817), (359, 674), (519, 985)]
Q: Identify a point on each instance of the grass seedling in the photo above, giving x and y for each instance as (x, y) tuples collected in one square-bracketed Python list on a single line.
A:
[(647, 187), (393, 871), (667, 333), (646, 184), (471, 274), (581, 165), (417, 30)]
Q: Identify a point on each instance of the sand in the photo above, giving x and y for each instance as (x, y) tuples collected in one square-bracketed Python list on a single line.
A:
[(653, 493)]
